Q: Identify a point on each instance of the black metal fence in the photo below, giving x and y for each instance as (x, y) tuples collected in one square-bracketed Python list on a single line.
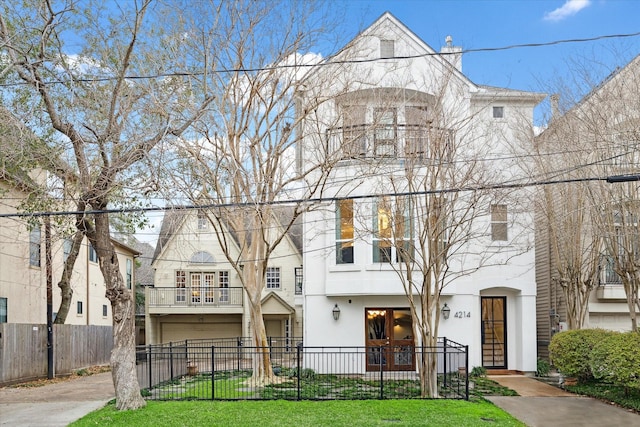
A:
[(222, 370)]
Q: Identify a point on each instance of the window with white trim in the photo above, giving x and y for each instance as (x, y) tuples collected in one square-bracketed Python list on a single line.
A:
[(344, 231), (499, 226), (392, 236), (129, 273), (273, 277), (223, 284), (498, 112), (79, 307), (203, 222), (93, 255), (3, 310), (181, 286), (34, 246), (104, 310), (387, 49)]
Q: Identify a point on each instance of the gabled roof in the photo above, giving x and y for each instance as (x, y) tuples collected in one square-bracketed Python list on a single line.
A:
[(174, 218), (616, 74)]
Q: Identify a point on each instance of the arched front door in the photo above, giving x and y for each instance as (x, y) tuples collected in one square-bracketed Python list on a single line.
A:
[(389, 339), (494, 332)]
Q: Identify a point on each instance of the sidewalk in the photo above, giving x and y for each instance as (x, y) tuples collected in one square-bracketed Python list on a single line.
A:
[(543, 405), (56, 404)]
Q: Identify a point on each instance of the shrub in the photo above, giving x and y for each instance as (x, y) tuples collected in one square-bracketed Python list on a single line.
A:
[(570, 351), (543, 368), (616, 359), (478, 372)]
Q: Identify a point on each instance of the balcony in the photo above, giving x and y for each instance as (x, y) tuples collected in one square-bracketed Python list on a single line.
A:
[(414, 142), (610, 287), (194, 300)]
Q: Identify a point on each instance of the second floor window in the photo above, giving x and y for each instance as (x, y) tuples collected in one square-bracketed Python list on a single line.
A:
[(181, 285), (273, 278), (93, 255), (392, 231), (129, 274), (3, 310), (344, 231), (34, 247), (499, 223)]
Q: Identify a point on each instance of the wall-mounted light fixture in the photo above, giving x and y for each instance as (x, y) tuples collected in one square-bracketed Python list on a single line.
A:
[(336, 312), (445, 311)]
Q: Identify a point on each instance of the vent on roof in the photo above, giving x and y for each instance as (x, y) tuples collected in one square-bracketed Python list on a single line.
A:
[(387, 48)]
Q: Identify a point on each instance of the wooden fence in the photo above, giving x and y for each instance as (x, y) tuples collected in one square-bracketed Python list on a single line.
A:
[(23, 349)]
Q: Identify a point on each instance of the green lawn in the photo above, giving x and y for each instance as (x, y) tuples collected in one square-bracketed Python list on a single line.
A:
[(305, 413)]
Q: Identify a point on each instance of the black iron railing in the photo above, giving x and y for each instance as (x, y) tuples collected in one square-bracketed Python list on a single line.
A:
[(222, 370)]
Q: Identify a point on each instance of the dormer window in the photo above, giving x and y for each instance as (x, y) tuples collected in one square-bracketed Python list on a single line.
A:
[(387, 49)]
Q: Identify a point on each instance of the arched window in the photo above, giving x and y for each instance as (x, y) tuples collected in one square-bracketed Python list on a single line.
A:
[(202, 257)]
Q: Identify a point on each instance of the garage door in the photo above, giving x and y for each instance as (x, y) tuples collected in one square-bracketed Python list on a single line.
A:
[(188, 331)]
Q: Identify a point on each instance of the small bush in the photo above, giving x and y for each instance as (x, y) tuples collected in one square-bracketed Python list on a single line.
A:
[(543, 368), (570, 351), (616, 359), (478, 372)]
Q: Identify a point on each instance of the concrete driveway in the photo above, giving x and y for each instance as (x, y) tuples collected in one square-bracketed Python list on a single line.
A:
[(543, 405), (57, 404)]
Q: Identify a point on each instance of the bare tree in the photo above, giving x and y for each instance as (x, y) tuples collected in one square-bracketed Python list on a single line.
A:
[(565, 225), (241, 156), (87, 81), (600, 133)]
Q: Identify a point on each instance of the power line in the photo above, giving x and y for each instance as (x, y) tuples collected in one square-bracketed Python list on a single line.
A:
[(319, 200), (330, 62)]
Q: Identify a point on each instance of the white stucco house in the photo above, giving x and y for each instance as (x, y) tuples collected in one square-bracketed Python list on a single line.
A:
[(377, 117), (197, 294)]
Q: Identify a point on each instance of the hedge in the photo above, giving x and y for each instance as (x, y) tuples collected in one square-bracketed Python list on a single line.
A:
[(616, 359), (570, 351)]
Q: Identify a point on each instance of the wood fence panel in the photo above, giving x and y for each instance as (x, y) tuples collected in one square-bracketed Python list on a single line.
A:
[(23, 349)]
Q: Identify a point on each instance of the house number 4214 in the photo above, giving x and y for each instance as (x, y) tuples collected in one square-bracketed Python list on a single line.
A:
[(461, 314)]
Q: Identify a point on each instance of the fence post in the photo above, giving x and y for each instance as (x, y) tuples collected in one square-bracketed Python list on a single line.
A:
[(466, 364), (213, 372), (445, 361), (381, 373), (298, 368), (239, 351), (149, 365), (171, 360)]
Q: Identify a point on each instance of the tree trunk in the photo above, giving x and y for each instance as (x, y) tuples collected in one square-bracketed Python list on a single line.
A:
[(123, 354), (65, 281)]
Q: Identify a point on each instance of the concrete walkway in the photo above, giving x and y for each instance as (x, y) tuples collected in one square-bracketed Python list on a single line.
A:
[(543, 405), (57, 404)]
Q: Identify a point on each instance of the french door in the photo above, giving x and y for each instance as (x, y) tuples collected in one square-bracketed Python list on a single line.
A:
[(494, 332), (389, 339)]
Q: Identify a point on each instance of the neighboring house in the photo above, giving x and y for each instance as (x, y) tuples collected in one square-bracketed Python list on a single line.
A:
[(377, 115), (23, 291), (198, 295), (607, 122)]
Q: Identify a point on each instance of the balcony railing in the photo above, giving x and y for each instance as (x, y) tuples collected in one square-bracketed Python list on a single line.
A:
[(396, 141), (192, 296)]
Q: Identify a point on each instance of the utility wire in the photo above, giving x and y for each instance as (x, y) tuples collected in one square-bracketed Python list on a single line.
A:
[(330, 61), (610, 179)]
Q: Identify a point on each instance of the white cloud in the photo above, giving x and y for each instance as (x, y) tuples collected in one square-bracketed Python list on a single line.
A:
[(569, 8)]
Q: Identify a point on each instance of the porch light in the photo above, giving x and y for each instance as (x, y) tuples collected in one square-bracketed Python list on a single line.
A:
[(336, 312), (445, 311)]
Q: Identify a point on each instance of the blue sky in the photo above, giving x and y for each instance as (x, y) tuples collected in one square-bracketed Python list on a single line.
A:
[(477, 24)]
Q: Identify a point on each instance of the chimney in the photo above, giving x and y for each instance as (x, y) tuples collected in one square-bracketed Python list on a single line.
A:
[(452, 53), (555, 99)]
